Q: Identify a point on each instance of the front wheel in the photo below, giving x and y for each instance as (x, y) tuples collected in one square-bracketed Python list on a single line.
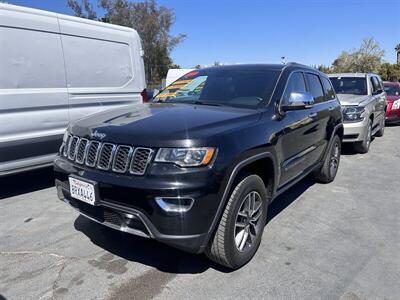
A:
[(328, 171), (239, 232), (363, 147)]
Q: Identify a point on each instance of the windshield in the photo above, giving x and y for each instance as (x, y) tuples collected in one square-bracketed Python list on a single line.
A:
[(392, 90), (350, 85), (242, 88)]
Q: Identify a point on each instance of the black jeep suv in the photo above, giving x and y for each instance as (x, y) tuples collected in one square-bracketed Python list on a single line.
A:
[(198, 167)]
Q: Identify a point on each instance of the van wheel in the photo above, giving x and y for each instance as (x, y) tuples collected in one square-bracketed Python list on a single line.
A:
[(329, 169), (363, 147), (239, 232)]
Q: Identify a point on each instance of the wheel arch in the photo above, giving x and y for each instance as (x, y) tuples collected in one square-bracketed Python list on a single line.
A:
[(254, 163)]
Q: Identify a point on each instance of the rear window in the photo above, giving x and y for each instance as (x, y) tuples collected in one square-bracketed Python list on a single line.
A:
[(242, 88), (315, 87), (350, 85), (328, 89)]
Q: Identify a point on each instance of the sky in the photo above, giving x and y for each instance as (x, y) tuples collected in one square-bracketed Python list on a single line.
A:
[(261, 31)]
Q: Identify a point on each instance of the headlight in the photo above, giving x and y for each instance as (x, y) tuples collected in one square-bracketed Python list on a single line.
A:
[(353, 114), (396, 104), (186, 157)]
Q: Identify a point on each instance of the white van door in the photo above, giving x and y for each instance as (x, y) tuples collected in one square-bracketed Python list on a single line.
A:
[(100, 66), (33, 94)]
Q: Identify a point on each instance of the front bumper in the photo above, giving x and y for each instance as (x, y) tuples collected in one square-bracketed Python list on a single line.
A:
[(127, 203), (355, 132)]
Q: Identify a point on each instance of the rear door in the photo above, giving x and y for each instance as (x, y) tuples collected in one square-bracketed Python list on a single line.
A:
[(33, 94), (379, 101), (103, 66)]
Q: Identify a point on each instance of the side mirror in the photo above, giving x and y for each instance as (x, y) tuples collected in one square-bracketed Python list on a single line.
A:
[(299, 100)]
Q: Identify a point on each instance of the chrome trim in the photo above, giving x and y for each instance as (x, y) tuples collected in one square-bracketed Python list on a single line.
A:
[(151, 153), (177, 208), (66, 146), (84, 151), (131, 149), (109, 160), (96, 155), (72, 157)]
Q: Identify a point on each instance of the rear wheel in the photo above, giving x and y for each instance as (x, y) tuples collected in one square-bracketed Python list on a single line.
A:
[(239, 232), (328, 171), (363, 147)]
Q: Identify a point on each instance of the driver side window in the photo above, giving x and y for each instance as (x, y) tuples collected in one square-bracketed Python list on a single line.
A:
[(295, 84)]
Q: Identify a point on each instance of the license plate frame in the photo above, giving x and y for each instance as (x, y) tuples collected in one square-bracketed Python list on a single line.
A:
[(87, 186)]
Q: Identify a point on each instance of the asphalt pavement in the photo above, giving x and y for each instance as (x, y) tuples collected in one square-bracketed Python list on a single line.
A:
[(335, 241)]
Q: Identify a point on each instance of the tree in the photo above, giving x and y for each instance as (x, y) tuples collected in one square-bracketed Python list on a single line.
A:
[(78, 9), (323, 69), (390, 72), (196, 67), (152, 22), (367, 58)]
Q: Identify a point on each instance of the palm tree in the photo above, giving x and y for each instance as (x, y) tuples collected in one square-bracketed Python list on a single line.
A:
[(397, 48)]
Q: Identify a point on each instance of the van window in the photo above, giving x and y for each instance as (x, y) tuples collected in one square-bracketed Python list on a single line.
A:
[(295, 84), (328, 89), (315, 87), (30, 59), (96, 63)]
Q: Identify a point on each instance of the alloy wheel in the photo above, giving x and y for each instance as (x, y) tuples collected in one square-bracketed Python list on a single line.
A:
[(247, 225), (334, 161)]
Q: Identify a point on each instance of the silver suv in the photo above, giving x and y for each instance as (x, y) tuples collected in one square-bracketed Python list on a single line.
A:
[(363, 99)]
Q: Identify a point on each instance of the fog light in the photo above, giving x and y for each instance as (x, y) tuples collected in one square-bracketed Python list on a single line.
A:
[(175, 204)]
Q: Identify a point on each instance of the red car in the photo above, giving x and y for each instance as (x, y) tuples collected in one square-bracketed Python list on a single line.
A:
[(393, 101)]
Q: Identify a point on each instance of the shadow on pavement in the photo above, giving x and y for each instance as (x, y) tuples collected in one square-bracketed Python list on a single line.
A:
[(26, 182), (288, 197), (161, 256)]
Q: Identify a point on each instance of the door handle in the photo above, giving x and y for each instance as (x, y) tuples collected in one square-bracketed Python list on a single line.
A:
[(312, 115)]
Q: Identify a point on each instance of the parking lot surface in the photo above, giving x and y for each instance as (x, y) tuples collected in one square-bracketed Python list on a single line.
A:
[(335, 241)]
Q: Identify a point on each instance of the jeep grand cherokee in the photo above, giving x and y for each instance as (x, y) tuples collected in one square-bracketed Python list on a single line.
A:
[(198, 167)]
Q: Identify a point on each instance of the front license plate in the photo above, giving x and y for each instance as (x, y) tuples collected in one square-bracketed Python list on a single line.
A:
[(82, 190)]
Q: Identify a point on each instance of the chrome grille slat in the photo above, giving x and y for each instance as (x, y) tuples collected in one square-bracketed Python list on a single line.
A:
[(93, 152), (72, 147), (140, 160), (107, 156), (121, 158), (65, 150), (81, 151)]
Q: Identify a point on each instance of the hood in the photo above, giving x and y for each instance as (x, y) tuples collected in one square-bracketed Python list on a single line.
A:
[(163, 124), (392, 98), (348, 99)]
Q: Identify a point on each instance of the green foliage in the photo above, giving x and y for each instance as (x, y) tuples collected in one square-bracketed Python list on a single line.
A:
[(390, 72), (196, 67), (367, 58), (152, 22)]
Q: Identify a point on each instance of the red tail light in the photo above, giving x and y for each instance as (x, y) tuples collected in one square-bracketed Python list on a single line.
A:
[(145, 96)]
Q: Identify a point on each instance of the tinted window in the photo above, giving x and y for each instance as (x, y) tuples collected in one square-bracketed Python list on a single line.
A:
[(295, 84), (315, 87), (375, 84), (392, 90), (349, 85), (328, 89), (245, 88)]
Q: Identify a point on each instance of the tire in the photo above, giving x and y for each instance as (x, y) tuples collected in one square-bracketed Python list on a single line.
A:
[(381, 130), (329, 169), (226, 247), (363, 147)]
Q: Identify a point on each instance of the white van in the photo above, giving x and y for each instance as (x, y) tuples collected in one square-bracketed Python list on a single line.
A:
[(55, 69)]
